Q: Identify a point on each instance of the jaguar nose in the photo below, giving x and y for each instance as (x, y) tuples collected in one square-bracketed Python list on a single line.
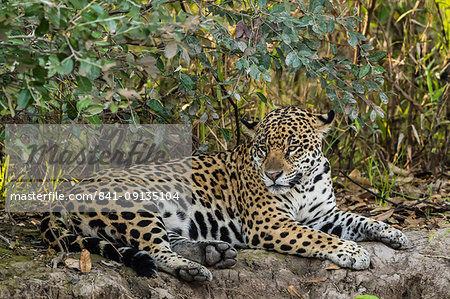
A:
[(273, 175)]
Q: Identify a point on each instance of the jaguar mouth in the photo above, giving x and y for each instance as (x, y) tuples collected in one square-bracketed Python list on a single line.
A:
[(297, 178), (278, 189)]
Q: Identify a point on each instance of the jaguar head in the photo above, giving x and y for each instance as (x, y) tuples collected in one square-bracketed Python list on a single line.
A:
[(287, 146)]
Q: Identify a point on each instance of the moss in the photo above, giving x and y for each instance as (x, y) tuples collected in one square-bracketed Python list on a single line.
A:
[(295, 270), (9, 256), (255, 255)]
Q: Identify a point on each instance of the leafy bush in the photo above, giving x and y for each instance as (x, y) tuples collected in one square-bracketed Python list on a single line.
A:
[(208, 63), (104, 61)]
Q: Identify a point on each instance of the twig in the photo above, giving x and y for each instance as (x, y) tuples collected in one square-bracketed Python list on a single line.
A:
[(236, 112), (58, 259), (7, 241), (409, 98), (368, 190), (396, 205), (442, 22)]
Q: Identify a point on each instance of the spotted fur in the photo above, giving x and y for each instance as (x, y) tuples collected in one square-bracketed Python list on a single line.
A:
[(274, 192)]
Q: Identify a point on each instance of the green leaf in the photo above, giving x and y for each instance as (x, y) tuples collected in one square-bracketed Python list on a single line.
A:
[(65, 67), (371, 85), (378, 69), (42, 28), (373, 115), (358, 87), (113, 107), (377, 56), (348, 98), (267, 77), (155, 105), (96, 34), (332, 94), (39, 74), (76, 4), (292, 60), (89, 70), (364, 71), (226, 134), (353, 41), (366, 47), (333, 49), (204, 118), (95, 120), (2, 135), (254, 72), (384, 98), (262, 97), (84, 84), (262, 3), (83, 103), (286, 38), (379, 111), (187, 81), (94, 110), (24, 99)]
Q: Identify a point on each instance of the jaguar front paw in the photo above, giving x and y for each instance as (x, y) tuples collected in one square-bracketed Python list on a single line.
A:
[(220, 255), (350, 255), (194, 273), (394, 238)]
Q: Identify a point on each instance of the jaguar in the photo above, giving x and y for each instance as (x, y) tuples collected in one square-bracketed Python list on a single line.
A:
[(272, 192)]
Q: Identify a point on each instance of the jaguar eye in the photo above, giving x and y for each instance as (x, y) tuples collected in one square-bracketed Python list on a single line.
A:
[(292, 148), (262, 149)]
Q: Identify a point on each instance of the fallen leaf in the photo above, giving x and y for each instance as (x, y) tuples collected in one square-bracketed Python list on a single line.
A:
[(358, 205), (72, 263), (385, 215), (129, 94), (171, 49), (414, 222), (398, 170), (293, 291), (35, 222), (112, 264), (333, 267), (316, 280), (404, 180), (149, 64), (356, 176), (108, 66), (85, 261)]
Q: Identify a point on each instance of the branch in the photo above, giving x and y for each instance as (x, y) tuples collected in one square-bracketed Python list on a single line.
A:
[(236, 112), (368, 190)]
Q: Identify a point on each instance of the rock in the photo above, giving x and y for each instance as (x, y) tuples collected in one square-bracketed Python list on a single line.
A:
[(419, 272)]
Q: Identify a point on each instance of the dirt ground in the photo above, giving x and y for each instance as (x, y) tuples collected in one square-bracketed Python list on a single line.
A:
[(26, 264)]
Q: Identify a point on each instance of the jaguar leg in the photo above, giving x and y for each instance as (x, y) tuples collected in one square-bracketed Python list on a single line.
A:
[(55, 232), (358, 228), (153, 238), (287, 236)]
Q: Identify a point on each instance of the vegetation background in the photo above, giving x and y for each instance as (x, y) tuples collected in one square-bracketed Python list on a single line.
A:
[(382, 65)]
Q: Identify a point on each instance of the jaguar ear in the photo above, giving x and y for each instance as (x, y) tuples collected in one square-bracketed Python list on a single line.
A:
[(325, 121), (249, 127)]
